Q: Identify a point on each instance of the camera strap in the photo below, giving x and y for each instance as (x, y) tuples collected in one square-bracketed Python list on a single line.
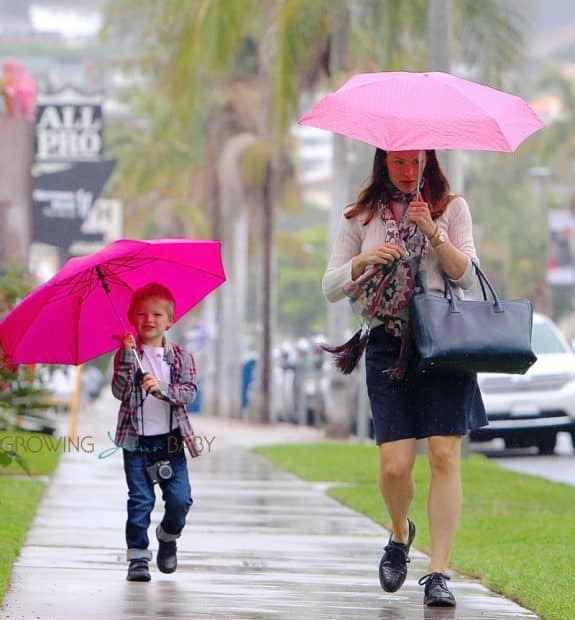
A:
[(160, 447)]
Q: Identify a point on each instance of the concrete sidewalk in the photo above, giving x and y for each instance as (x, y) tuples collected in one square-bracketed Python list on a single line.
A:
[(259, 543)]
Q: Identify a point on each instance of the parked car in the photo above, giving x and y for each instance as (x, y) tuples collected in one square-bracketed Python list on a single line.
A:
[(528, 410), (300, 378)]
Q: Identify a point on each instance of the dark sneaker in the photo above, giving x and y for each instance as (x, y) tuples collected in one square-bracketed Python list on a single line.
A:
[(167, 559), (138, 570), (437, 593), (393, 564)]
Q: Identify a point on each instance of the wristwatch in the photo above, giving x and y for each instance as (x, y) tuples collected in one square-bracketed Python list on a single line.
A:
[(439, 238)]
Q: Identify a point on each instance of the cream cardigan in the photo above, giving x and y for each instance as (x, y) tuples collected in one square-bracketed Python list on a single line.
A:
[(353, 237)]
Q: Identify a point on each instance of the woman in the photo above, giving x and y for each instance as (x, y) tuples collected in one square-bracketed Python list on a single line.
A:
[(428, 231)]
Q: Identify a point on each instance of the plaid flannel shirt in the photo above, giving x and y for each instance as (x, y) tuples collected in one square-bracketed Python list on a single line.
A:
[(179, 392)]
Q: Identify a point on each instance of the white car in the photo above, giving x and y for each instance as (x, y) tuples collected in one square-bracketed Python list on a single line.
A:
[(529, 409)]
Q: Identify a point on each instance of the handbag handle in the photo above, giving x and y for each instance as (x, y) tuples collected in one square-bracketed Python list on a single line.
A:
[(483, 281)]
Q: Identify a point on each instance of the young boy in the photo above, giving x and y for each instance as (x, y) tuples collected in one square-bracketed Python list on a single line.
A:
[(153, 427)]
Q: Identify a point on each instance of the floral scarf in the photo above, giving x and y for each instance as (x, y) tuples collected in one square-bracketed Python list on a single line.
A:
[(384, 293)]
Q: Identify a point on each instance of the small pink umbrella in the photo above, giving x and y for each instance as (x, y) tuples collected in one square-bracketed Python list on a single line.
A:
[(77, 315), (404, 111)]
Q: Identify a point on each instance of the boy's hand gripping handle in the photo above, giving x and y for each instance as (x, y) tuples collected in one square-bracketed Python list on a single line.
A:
[(140, 372)]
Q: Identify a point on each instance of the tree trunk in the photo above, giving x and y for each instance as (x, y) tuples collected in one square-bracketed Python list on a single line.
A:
[(263, 394), (232, 311), (338, 397), (338, 405), (16, 144), (439, 35)]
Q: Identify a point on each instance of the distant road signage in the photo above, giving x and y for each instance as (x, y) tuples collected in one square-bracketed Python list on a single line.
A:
[(63, 199), (70, 168), (69, 126)]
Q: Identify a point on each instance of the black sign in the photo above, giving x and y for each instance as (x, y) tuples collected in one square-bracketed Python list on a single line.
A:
[(63, 199)]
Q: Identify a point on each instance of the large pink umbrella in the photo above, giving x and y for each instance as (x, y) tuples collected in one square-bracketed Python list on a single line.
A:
[(75, 316), (403, 111)]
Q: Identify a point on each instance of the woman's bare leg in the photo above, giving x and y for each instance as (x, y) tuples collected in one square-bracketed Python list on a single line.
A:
[(445, 497), (396, 483)]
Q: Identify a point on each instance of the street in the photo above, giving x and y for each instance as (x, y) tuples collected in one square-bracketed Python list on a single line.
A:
[(559, 467)]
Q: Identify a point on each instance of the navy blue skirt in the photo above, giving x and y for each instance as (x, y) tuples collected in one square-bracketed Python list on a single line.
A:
[(421, 404)]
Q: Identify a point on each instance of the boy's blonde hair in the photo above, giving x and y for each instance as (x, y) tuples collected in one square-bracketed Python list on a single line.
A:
[(158, 291)]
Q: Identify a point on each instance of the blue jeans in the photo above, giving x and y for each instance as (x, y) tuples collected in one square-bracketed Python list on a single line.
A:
[(176, 494)]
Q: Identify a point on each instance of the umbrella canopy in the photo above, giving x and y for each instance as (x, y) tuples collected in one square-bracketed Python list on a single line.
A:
[(75, 316), (400, 111)]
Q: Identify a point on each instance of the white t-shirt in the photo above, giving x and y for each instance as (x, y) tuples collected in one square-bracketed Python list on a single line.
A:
[(156, 412)]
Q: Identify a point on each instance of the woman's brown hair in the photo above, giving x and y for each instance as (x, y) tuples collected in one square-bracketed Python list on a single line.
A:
[(380, 189)]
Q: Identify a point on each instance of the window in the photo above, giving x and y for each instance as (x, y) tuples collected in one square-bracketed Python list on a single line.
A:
[(545, 340)]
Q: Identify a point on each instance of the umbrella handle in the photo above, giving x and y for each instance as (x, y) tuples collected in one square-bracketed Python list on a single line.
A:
[(106, 287), (419, 175), (155, 393), (138, 361)]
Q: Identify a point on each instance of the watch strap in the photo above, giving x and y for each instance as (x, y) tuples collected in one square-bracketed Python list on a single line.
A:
[(438, 238)]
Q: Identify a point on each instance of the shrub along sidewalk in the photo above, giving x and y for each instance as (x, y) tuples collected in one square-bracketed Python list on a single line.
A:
[(20, 492), (514, 532)]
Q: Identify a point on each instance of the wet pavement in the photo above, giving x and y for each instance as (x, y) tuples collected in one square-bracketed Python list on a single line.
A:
[(259, 543)]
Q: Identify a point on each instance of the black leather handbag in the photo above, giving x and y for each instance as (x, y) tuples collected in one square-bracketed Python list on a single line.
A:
[(489, 335)]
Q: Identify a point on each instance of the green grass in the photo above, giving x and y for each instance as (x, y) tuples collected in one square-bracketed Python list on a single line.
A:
[(18, 501), (515, 531), (20, 493), (40, 452)]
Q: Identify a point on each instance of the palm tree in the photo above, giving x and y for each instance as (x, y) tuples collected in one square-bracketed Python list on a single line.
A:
[(228, 78), (206, 111), (203, 38)]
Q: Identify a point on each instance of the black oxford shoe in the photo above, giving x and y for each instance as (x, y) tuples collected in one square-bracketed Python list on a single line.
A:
[(437, 594), (393, 564)]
